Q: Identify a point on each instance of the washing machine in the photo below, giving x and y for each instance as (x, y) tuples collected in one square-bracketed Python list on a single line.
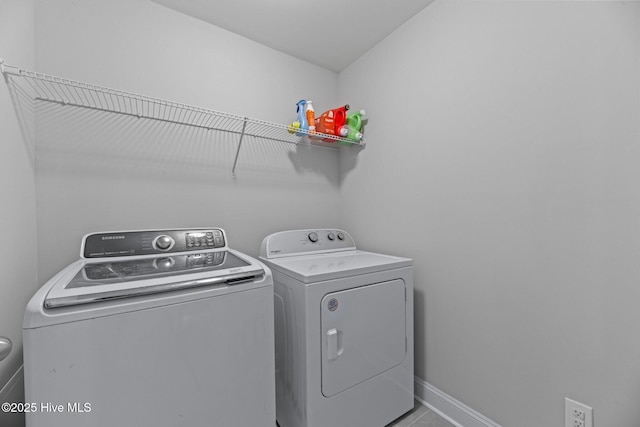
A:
[(158, 328), (343, 328)]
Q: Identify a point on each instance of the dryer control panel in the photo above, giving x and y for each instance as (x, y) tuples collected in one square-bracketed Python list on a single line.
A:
[(151, 242), (300, 242)]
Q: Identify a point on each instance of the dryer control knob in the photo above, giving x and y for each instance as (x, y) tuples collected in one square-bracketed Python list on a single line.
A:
[(313, 236), (331, 236), (163, 242), (340, 236)]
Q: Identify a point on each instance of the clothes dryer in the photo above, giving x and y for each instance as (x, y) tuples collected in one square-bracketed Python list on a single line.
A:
[(343, 328), (158, 328)]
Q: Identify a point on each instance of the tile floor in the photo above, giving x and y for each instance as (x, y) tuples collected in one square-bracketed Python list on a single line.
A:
[(421, 416)]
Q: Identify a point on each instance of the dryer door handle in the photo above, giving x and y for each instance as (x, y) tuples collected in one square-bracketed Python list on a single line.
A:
[(334, 344)]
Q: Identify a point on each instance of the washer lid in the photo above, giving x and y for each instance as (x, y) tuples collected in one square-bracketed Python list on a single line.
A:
[(329, 266), (127, 277)]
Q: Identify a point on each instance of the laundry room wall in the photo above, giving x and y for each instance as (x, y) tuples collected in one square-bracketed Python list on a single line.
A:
[(502, 155), (18, 201), (99, 171)]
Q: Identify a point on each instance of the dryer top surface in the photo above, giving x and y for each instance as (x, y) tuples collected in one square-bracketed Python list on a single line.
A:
[(328, 266)]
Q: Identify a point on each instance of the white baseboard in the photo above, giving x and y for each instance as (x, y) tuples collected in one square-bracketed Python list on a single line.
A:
[(454, 411)]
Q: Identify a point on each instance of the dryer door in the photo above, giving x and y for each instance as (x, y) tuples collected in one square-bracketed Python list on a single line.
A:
[(363, 334)]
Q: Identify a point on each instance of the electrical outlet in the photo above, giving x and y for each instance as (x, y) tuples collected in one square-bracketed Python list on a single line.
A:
[(577, 414)]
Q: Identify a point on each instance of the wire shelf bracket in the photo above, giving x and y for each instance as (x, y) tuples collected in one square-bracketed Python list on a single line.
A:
[(235, 161), (66, 92)]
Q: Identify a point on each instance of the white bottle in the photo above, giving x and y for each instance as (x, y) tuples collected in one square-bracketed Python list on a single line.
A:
[(311, 119)]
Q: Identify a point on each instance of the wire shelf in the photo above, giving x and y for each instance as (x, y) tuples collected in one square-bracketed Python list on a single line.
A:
[(63, 91)]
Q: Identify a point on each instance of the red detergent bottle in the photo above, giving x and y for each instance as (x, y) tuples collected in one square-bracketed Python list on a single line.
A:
[(331, 121)]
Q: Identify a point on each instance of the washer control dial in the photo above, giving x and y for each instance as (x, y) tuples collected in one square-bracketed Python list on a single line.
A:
[(313, 237), (163, 263), (340, 236), (163, 242), (331, 236)]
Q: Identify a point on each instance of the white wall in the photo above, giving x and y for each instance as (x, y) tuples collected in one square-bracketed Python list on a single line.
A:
[(97, 171), (502, 150), (17, 197), (503, 153)]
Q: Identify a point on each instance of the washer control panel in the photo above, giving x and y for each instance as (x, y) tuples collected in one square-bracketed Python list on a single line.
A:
[(149, 242), (286, 243)]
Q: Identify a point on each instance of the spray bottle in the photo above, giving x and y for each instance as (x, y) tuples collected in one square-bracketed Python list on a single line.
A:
[(302, 119)]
